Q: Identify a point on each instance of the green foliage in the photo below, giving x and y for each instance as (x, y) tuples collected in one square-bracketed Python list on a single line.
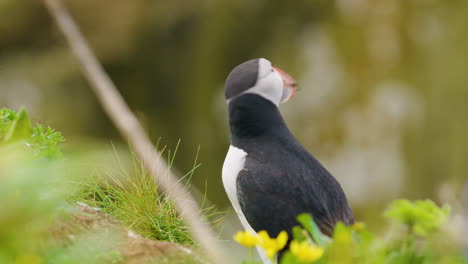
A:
[(19, 128), (7, 117), (311, 227), (33, 194), (16, 127), (133, 199), (44, 142), (40, 221), (413, 237), (422, 217)]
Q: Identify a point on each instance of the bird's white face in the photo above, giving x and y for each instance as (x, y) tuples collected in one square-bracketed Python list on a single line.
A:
[(269, 83), (272, 83)]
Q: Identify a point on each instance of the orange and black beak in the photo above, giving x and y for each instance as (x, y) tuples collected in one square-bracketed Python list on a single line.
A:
[(289, 85)]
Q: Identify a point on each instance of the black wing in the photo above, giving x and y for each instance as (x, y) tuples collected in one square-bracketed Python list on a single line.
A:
[(273, 189)]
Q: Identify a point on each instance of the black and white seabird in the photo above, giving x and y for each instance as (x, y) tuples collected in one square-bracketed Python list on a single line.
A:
[(269, 177)]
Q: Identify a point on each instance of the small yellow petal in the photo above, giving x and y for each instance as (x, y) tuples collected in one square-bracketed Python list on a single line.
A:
[(281, 240), (264, 235), (358, 226), (270, 253), (269, 245), (246, 239), (305, 252), (294, 247)]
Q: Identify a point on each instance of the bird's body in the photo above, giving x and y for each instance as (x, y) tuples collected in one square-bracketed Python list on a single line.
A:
[(279, 179), (269, 177)]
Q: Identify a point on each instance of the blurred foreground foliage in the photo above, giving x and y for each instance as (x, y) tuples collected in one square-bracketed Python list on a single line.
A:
[(414, 236), (41, 140), (44, 219)]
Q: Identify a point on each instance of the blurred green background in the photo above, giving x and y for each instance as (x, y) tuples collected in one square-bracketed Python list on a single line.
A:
[(384, 84)]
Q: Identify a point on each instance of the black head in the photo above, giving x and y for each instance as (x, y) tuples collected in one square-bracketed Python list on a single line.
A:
[(241, 78), (258, 76)]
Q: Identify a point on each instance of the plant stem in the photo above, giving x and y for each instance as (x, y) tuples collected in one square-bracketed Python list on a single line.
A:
[(132, 131)]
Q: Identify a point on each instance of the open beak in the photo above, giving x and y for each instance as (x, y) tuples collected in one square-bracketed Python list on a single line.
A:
[(289, 85)]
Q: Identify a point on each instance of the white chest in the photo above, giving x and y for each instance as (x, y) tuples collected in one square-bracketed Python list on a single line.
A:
[(233, 164)]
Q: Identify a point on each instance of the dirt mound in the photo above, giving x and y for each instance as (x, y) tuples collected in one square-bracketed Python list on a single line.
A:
[(129, 246)]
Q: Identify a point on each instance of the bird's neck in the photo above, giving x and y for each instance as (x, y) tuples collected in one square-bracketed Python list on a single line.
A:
[(252, 116)]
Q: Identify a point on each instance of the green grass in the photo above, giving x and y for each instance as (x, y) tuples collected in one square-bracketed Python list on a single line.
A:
[(133, 199), (41, 222), (131, 196)]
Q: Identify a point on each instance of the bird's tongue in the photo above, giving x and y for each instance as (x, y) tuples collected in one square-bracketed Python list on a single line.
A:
[(289, 85), (288, 92)]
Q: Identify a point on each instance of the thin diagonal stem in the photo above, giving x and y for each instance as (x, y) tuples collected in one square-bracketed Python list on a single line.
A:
[(132, 131)]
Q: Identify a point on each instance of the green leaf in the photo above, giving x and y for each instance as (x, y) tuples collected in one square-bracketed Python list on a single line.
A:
[(44, 142), (7, 116), (342, 233), (20, 128), (299, 233), (17, 126), (288, 258), (421, 217), (309, 224)]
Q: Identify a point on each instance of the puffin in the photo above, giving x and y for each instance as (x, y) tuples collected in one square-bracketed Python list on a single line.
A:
[(268, 176)]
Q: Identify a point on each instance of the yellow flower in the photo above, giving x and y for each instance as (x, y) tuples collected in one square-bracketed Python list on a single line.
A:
[(246, 239), (358, 226), (305, 252), (272, 245)]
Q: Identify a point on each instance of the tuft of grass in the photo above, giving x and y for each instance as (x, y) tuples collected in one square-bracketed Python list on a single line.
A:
[(136, 203), (131, 196)]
